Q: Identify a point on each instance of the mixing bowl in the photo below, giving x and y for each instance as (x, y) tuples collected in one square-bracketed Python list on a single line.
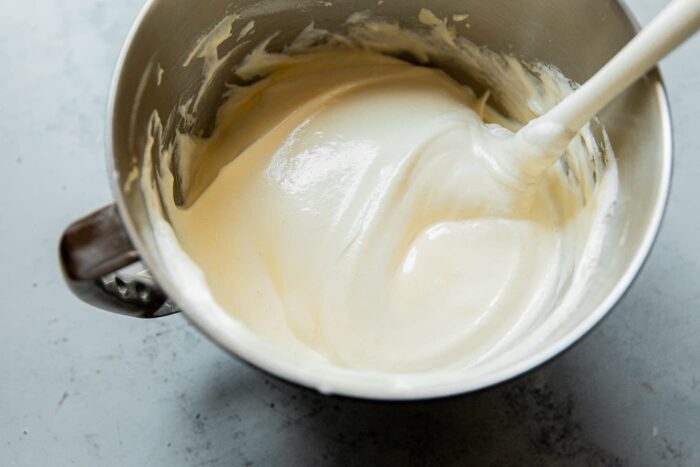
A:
[(111, 259)]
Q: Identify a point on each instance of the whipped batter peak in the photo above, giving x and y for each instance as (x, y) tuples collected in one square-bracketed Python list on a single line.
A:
[(376, 214)]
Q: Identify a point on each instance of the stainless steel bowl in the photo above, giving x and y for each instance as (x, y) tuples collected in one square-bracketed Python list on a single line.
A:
[(578, 37)]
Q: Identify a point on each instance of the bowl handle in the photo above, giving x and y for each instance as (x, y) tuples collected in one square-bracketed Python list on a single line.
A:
[(103, 268)]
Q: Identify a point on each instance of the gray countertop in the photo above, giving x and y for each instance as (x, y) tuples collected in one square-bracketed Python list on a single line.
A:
[(83, 387)]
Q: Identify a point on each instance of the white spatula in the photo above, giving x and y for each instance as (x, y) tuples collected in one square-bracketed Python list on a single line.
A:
[(555, 129)]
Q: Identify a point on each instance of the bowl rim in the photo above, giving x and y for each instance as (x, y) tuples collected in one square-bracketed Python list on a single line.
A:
[(354, 387)]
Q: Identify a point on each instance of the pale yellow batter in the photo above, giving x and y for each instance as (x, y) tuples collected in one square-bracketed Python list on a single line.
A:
[(358, 206)]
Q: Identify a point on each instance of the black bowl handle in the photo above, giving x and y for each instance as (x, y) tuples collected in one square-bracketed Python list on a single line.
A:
[(102, 268)]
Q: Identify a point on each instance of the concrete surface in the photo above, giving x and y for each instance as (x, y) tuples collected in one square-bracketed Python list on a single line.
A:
[(83, 387)]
